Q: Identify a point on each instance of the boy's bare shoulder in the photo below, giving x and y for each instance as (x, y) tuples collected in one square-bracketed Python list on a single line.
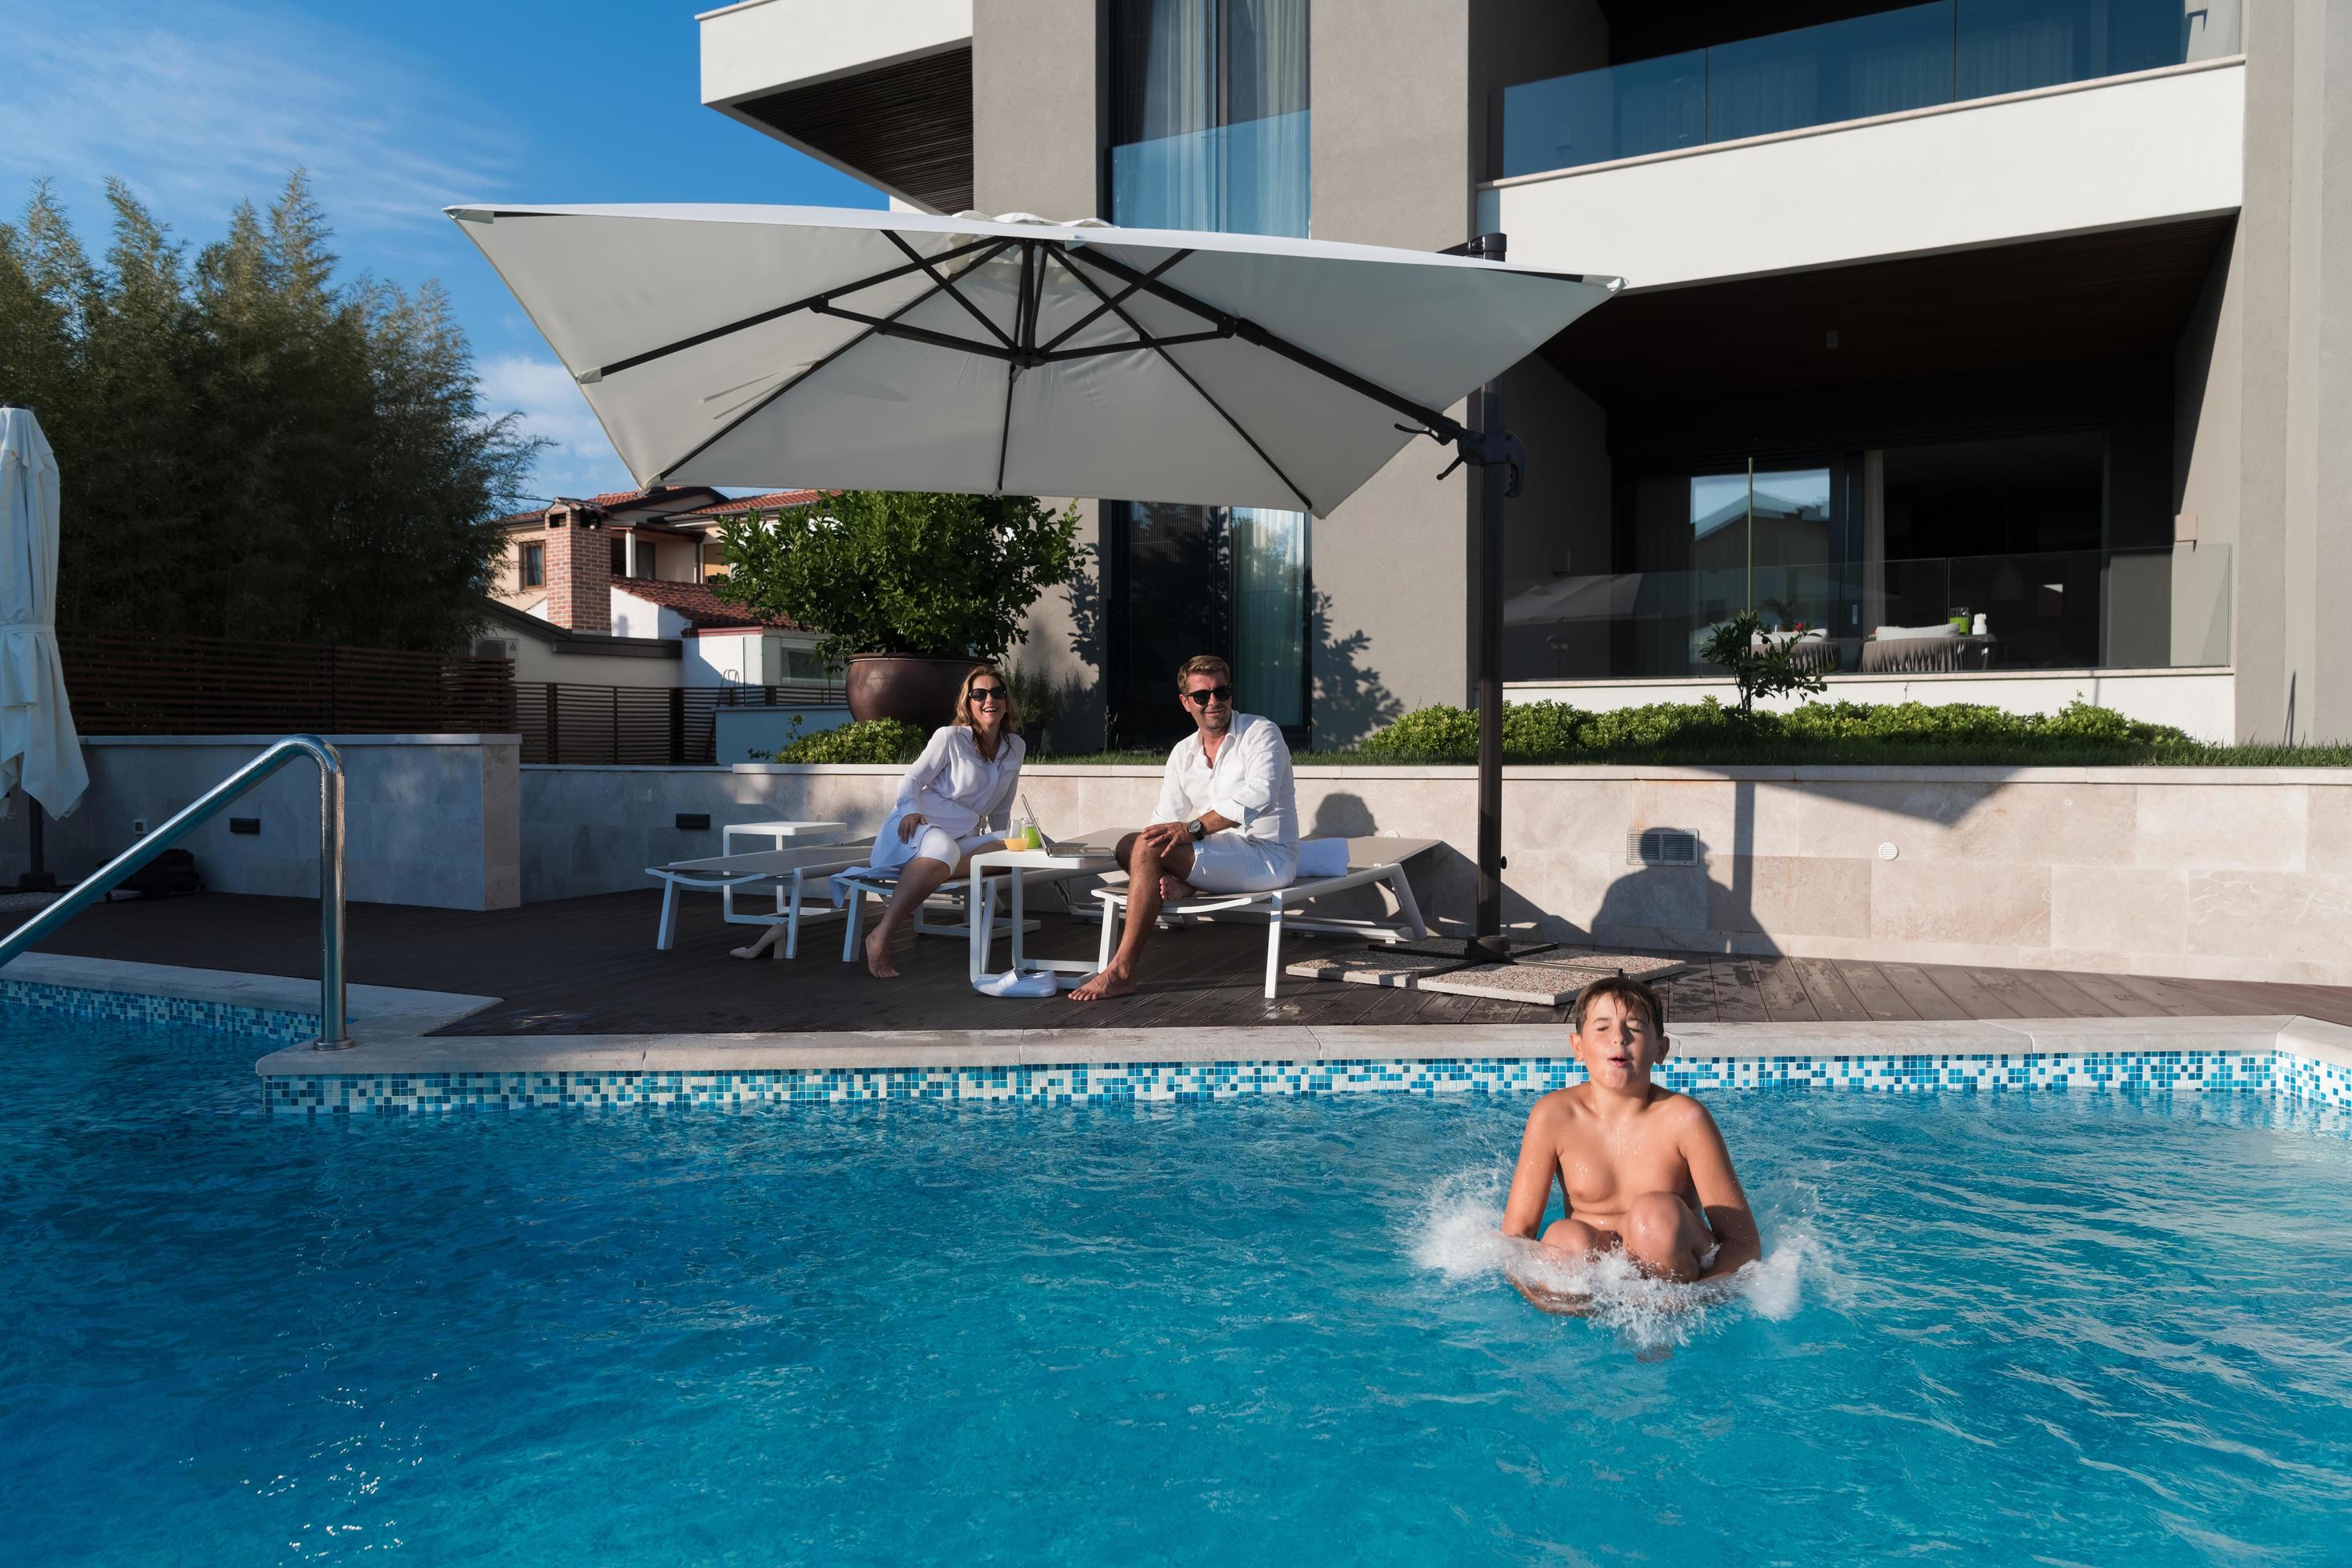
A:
[(1681, 1112)]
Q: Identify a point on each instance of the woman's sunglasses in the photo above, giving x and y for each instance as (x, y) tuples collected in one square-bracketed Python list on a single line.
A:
[(1208, 694), (987, 694)]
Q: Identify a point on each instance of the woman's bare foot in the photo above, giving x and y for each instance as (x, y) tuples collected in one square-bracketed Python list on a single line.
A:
[(878, 957), (1103, 983), (759, 949)]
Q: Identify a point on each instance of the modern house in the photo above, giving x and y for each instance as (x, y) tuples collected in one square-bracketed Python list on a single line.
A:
[(611, 591), (2026, 310)]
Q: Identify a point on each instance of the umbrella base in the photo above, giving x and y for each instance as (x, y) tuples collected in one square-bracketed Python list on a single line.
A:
[(1473, 949), (37, 882)]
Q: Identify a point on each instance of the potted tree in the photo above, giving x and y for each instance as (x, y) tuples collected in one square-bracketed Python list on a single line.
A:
[(907, 589)]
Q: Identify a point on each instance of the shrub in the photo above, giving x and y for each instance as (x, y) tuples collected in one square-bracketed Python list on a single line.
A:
[(1439, 734), (867, 740), (1759, 667)]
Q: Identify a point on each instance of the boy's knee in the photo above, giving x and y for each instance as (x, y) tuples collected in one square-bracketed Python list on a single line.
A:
[(1654, 1224)]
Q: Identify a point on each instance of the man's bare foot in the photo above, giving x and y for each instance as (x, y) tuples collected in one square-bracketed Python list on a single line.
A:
[(878, 957), (1172, 889), (1108, 983)]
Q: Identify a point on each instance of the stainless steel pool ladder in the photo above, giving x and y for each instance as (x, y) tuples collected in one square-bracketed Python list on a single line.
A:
[(334, 1035)]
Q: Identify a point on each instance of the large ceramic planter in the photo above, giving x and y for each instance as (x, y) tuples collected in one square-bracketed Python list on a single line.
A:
[(922, 691)]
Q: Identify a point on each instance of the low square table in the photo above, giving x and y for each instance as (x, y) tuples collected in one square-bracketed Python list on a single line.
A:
[(1091, 855)]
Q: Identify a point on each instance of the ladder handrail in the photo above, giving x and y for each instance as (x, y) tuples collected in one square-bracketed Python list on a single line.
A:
[(334, 1035)]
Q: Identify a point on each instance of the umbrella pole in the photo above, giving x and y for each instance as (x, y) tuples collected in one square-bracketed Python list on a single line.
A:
[(38, 878), (1492, 481)]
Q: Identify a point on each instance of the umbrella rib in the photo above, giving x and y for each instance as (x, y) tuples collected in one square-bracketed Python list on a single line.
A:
[(764, 317), (1096, 315), (1145, 340), (953, 292), (890, 327), (1250, 333), (733, 424)]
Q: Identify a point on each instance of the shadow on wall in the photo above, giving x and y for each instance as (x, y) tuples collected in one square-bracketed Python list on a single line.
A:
[(1079, 723), (1351, 700)]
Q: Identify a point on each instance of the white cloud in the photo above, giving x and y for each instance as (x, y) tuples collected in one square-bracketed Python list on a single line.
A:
[(580, 461), (201, 104)]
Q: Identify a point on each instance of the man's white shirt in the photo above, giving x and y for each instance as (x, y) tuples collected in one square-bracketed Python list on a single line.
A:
[(1250, 783)]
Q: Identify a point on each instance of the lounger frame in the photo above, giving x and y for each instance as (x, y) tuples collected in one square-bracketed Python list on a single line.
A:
[(790, 872), (1280, 907)]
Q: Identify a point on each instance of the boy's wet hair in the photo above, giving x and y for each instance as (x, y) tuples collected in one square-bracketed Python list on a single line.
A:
[(1633, 995)]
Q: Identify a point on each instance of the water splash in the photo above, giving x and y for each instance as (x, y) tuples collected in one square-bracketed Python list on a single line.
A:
[(1458, 1235)]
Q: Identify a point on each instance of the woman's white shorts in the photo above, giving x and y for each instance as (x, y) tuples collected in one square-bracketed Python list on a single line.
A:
[(1229, 863), (929, 843)]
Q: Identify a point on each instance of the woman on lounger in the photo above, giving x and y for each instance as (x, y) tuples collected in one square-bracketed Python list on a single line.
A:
[(964, 780), (961, 785)]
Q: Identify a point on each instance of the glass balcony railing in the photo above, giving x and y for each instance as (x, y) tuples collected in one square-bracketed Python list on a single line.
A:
[(1249, 177), (2164, 608), (1948, 51)]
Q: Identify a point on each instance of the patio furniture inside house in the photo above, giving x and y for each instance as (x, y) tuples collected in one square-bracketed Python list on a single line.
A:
[(1326, 866), (1924, 650), (787, 872)]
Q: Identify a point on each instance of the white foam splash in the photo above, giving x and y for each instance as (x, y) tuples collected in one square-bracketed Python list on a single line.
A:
[(1459, 1235)]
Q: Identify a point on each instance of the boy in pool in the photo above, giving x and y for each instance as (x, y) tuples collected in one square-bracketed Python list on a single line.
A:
[(1643, 1169)]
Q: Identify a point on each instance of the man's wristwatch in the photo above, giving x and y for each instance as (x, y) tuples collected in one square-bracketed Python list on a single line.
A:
[(1197, 829)]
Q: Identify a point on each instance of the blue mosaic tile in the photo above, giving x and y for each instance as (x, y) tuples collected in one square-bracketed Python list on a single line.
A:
[(269, 1026)]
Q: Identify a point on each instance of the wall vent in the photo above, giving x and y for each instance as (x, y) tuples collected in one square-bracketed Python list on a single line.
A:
[(1662, 846)]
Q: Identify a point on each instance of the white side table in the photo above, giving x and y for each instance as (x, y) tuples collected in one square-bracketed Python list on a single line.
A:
[(780, 836), (1062, 861)]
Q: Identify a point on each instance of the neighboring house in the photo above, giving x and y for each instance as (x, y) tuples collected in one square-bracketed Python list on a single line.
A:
[(556, 555), (2030, 309), (611, 591)]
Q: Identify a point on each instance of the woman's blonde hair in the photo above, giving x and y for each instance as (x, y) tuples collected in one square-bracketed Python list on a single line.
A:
[(963, 700)]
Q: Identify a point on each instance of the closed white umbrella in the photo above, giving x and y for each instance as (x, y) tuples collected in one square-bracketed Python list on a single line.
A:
[(738, 345), (38, 748), (735, 345)]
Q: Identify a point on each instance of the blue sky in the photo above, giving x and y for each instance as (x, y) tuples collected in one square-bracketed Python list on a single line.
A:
[(396, 108)]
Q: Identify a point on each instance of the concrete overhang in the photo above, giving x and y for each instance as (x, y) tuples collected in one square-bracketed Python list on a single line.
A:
[(882, 93), (2153, 147)]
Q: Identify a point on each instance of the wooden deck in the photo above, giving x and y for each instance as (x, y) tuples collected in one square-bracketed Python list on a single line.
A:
[(588, 966)]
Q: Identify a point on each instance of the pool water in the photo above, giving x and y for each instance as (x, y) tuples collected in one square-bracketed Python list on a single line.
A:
[(2075, 1329)]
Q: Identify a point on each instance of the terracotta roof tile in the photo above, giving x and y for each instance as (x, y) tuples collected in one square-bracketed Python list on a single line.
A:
[(701, 606), (769, 502)]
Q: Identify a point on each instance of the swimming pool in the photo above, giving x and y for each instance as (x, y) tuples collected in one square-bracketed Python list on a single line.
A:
[(2089, 1328)]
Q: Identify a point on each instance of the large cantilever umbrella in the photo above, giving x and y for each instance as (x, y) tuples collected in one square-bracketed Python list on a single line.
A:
[(38, 749), (726, 345)]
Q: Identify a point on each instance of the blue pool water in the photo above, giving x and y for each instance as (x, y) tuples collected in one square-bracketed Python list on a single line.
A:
[(2068, 1328)]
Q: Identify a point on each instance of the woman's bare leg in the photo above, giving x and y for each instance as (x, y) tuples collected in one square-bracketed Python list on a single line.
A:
[(919, 881)]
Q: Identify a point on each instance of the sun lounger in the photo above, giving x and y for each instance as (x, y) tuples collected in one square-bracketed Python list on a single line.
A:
[(789, 872), (852, 887), (1370, 861)]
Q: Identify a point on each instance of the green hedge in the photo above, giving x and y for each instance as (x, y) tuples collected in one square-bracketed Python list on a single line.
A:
[(1707, 732), (867, 741)]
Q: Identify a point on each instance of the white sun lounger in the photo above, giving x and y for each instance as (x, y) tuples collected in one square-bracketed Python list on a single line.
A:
[(1370, 861), (788, 871)]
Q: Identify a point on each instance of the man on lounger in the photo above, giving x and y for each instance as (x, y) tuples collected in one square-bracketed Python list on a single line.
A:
[(1643, 1170), (1228, 820)]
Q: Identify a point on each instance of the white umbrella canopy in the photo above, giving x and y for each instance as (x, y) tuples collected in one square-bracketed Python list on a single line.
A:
[(746, 345), (38, 748)]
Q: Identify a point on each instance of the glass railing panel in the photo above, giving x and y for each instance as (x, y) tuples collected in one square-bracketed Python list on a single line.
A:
[(1250, 177), (1880, 64), (2163, 607), (1885, 63), (1593, 117)]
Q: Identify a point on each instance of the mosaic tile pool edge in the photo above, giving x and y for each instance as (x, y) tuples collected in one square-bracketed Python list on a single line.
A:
[(278, 1027), (2278, 1073)]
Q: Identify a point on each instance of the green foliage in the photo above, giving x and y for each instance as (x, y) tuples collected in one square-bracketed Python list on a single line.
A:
[(1040, 700), (946, 576), (867, 740), (1706, 731), (1760, 665), (247, 448)]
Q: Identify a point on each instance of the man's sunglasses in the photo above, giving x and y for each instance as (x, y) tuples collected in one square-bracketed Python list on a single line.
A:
[(987, 694), (1208, 694)]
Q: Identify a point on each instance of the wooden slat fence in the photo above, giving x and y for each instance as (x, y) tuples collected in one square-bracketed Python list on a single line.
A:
[(122, 684), (640, 726)]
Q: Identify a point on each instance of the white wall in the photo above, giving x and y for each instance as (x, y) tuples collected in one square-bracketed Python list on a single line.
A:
[(2059, 161), (2201, 702), (428, 819), (762, 45)]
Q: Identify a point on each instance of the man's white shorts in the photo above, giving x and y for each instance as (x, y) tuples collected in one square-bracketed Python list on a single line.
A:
[(1228, 862)]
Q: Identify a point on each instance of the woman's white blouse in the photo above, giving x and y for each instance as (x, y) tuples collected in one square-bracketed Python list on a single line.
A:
[(956, 788)]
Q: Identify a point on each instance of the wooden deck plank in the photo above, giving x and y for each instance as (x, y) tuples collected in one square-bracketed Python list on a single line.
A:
[(1783, 994), (2061, 996), (1919, 989), (2016, 996), (1974, 1000), (1832, 998), (1876, 993), (1738, 991)]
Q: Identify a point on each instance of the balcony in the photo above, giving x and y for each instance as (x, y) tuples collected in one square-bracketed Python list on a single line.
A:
[(1936, 127)]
